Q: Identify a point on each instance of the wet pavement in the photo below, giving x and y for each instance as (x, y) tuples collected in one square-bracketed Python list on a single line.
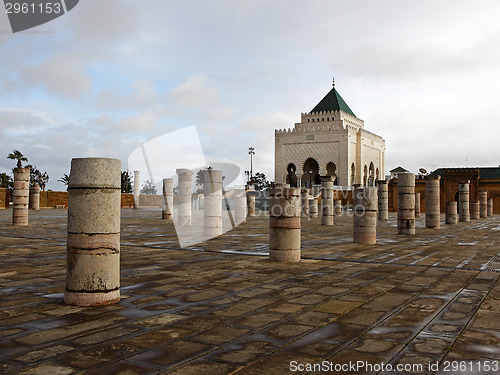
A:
[(220, 307)]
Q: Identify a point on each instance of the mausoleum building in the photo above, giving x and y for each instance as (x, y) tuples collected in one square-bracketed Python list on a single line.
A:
[(329, 141)]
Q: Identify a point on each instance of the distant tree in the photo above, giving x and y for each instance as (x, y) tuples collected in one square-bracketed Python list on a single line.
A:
[(199, 179), (65, 180), (259, 182), (36, 177), (17, 155), (126, 182), (148, 188), (6, 182), (43, 180)]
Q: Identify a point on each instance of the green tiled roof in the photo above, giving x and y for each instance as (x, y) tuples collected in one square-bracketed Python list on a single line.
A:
[(332, 102)]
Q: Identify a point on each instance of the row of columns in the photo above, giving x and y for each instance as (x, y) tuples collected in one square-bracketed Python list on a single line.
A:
[(94, 200)]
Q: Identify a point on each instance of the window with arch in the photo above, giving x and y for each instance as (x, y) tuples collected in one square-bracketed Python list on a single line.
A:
[(353, 174), (331, 170), (291, 177), (365, 176)]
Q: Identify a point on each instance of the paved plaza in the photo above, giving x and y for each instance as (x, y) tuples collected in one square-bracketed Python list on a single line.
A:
[(222, 307)]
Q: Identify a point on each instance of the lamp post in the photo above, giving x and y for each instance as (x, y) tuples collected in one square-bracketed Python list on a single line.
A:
[(251, 152)]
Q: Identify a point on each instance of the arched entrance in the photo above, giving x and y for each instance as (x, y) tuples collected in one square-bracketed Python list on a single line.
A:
[(331, 170), (353, 174), (310, 174), (291, 177), (371, 179)]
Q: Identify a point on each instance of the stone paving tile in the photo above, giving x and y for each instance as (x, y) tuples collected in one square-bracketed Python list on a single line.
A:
[(407, 300)]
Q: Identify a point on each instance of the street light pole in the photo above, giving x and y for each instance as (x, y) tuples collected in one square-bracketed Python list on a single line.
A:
[(251, 152)]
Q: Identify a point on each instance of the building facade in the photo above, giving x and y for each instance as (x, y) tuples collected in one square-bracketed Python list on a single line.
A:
[(329, 141)]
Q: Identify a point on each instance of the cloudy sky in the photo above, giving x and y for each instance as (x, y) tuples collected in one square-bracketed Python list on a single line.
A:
[(113, 74)]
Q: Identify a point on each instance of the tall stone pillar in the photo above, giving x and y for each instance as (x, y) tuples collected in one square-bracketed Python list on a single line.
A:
[(35, 198), (299, 179), (337, 207), (417, 204), (137, 188), (93, 249), (490, 206), (365, 215), (383, 199), (305, 203), (474, 210), (463, 201), (284, 224), (451, 212), (240, 201), (406, 203), (251, 194), (327, 202), (212, 212), (483, 203), (184, 191), (313, 207), (168, 199), (21, 196), (432, 197)]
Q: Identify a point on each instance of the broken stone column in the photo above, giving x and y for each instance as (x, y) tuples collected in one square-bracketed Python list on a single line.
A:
[(313, 207), (137, 188), (251, 194), (327, 201), (184, 191), (483, 203), (212, 212), (406, 203), (168, 199), (451, 213), (417, 204), (474, 210), (490, 206), (337, 208), (305, 203), (21, 196), (383, 200), (240, 202), (432, 206), (365, 215), (463, 201), (284, 224), (35, 198), (93, 247)]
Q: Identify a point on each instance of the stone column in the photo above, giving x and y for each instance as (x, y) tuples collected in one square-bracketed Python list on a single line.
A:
[(212, 212), (168, 199), (432, 206), (365, 215), (313, 207), (251, 202), (383, 199), (483, 203), (417, 204), (35, 198), (337, 208), (490, 206), (327, 201), (463, 201), (451, 213), (93, 248), (137, 188), (406, 203), (284, 224), (21, 196), (184, 191), (299, 179), (474, 210), (305, 203), (240, 202)]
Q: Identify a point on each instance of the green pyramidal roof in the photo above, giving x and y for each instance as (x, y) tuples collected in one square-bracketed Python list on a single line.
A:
[(333, 102)]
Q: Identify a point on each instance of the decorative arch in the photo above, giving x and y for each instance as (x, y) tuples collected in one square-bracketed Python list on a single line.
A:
[(331, 170), (365, 176), (291, 177), (353, 174), (310, 172), (371, 177)]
